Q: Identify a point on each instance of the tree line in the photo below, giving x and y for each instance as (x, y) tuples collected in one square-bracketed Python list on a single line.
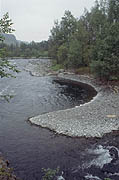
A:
[(91, 41), (26, 50)]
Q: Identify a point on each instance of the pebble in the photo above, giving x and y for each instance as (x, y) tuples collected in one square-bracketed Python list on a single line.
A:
[(87, 120)]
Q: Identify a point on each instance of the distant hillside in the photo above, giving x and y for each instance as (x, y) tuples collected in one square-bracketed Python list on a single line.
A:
[(10, 39)]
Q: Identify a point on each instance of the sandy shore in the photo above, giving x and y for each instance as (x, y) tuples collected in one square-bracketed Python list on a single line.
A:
[(93, 119)]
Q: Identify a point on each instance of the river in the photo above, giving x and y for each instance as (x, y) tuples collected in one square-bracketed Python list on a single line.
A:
[(30, 148)]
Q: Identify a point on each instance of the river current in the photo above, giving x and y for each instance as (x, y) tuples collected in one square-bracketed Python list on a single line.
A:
[(30, 148)]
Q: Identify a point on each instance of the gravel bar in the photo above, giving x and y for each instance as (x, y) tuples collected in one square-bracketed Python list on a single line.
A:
[(93, 119)]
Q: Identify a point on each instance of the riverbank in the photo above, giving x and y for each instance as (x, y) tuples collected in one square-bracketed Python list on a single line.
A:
[(38, 68), (93, 119)]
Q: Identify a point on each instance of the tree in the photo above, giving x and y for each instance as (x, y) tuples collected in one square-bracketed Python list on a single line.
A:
[(113, 11), (79, 50), (5, 66), (55, 41), (91, 41), (106, 62), (105, 56), (68, 26), (63, 54), (60, 36)]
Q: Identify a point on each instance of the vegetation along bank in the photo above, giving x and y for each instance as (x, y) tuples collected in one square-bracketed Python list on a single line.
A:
[(90, 42)]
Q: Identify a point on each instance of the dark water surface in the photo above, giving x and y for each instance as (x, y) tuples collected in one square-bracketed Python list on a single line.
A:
[(30, 148)]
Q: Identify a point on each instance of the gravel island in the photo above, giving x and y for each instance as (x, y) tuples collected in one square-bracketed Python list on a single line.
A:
[(93, 119)]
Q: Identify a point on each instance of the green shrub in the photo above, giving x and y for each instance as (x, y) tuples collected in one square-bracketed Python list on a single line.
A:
[(83, 70), (56, 67), (50, 174), (100, 69)]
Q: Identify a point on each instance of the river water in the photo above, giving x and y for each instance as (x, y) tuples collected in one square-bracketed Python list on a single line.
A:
[(30, 148)]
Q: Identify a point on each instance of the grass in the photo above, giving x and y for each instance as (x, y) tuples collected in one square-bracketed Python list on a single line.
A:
[(56, 67), (83, 70)]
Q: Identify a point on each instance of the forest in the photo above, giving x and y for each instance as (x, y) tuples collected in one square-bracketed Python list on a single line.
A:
[(91, 41), (26, 50)]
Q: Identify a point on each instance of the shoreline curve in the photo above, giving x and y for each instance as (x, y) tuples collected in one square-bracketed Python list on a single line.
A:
[(93, 119)]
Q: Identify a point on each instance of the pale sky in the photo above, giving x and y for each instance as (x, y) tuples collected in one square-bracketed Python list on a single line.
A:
[(33, 19)]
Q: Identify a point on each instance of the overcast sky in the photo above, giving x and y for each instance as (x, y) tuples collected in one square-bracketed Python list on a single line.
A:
[(33, 19)]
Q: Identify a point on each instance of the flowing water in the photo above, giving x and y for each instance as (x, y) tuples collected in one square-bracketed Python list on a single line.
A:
[(30, 148)]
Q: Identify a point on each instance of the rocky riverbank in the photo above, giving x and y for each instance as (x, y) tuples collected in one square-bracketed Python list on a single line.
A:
[(93, 119), (38, 67)]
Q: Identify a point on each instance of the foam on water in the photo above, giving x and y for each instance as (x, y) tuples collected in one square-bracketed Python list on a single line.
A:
[(60, 178), (115, 174), (103, 154), (91, 177)]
